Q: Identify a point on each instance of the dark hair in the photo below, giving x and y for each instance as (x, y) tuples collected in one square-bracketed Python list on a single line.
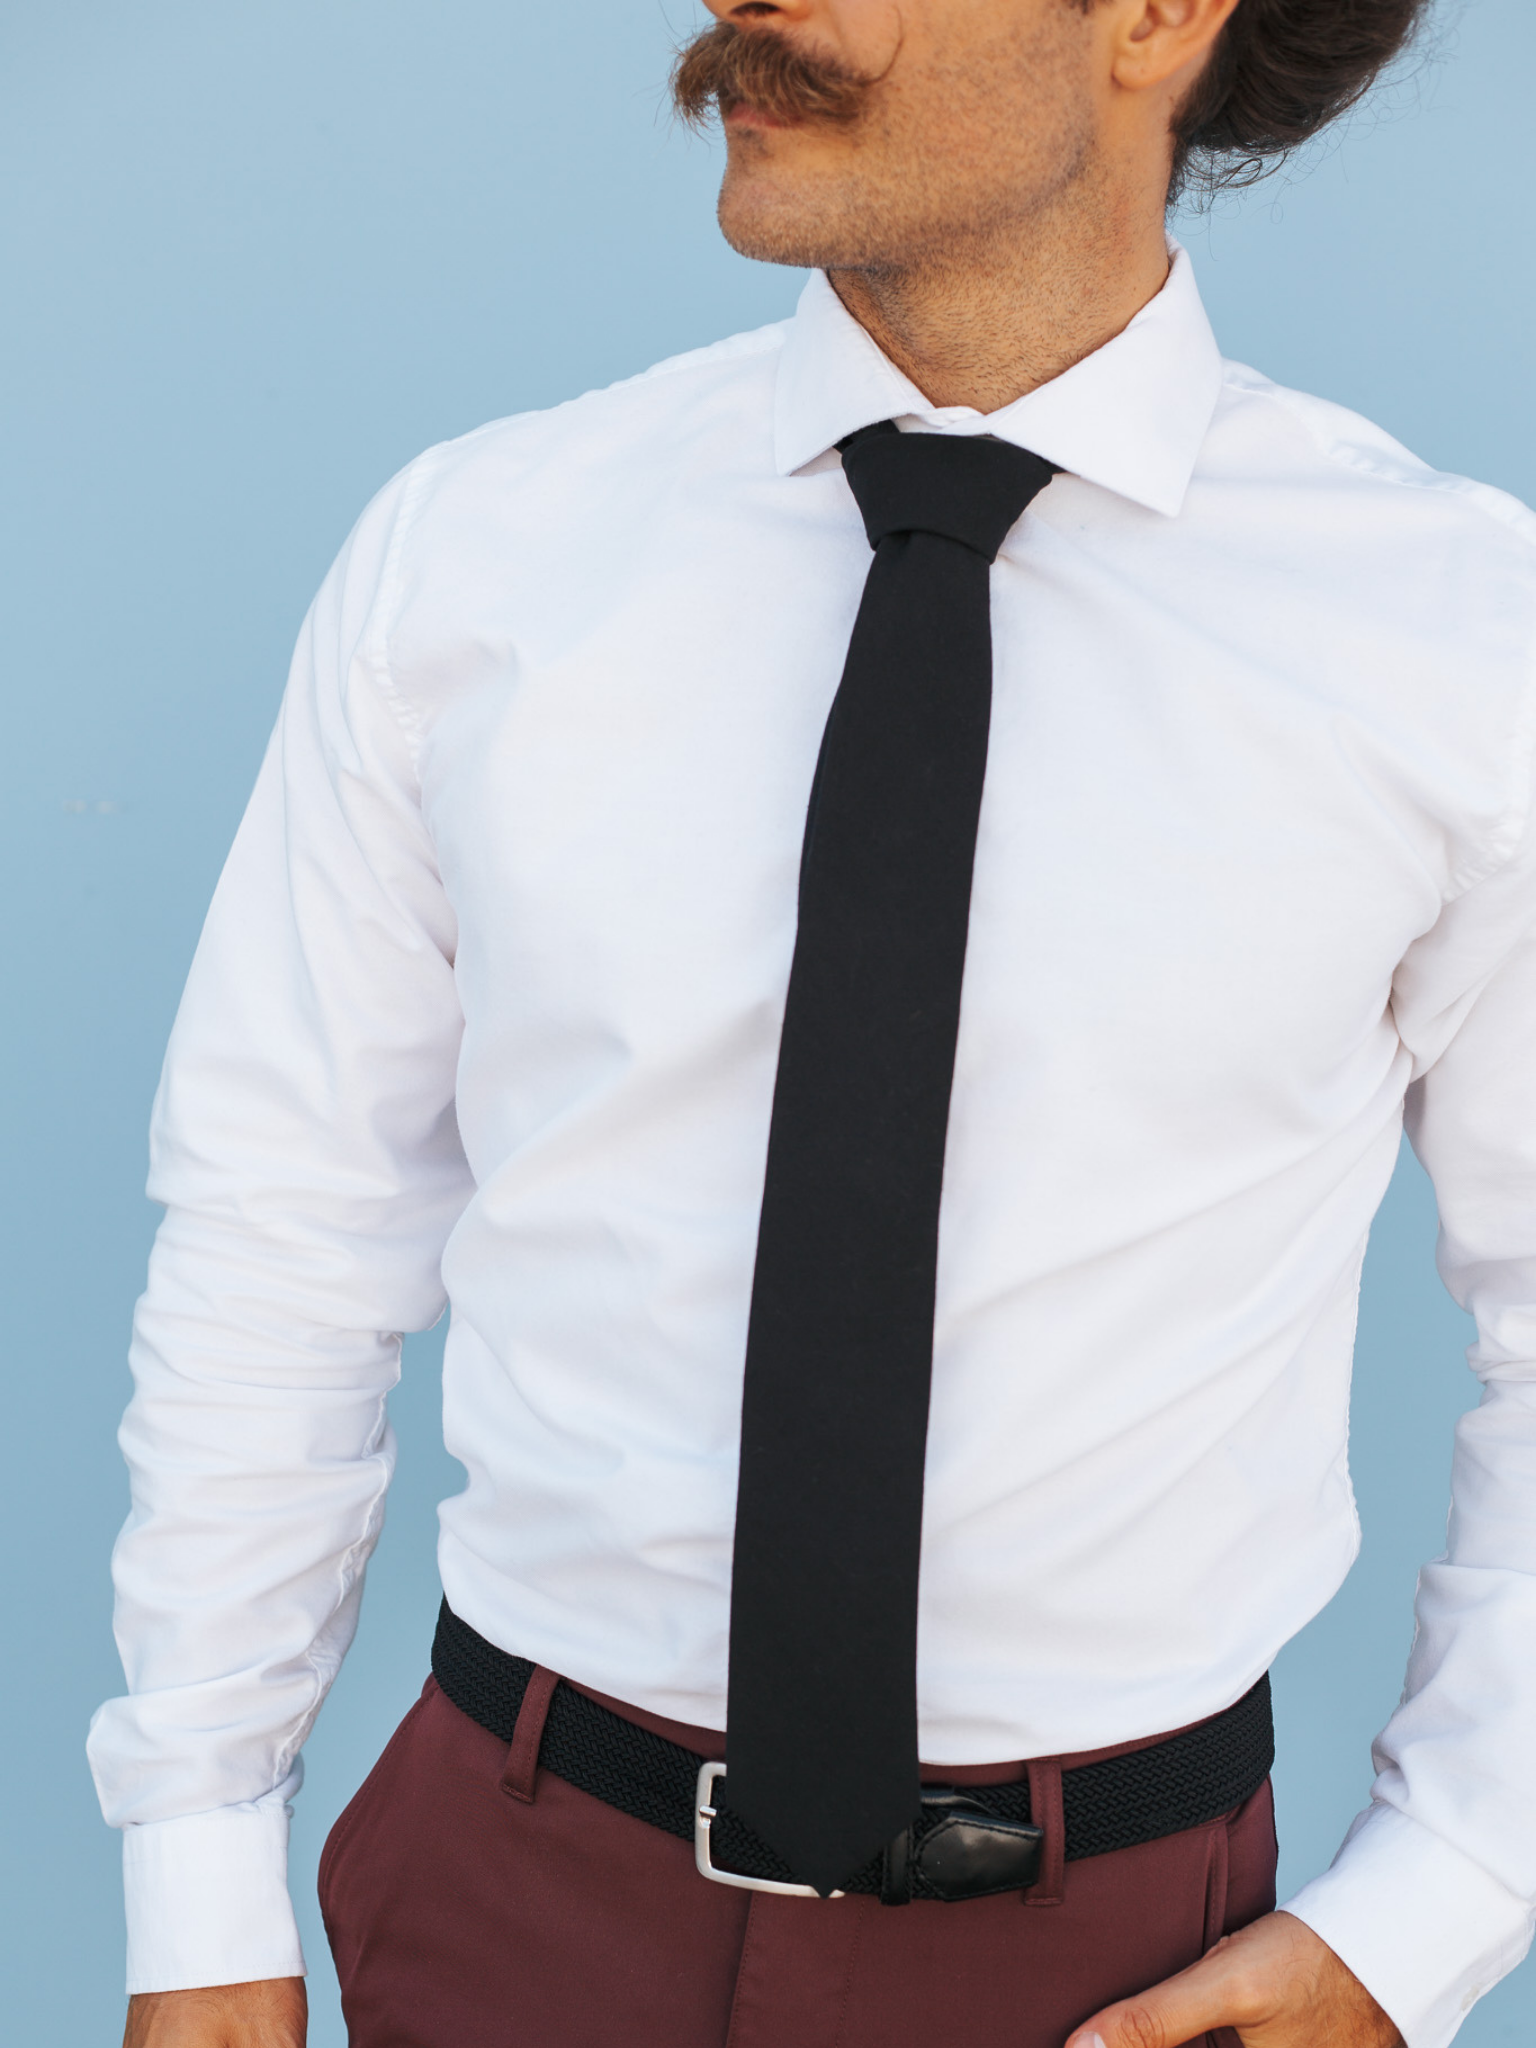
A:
[(1281, 71)]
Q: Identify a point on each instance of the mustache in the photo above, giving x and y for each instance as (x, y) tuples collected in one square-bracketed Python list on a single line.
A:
[(725, 67)]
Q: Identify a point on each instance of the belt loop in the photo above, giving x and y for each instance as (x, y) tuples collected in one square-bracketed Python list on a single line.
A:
[(517, 1780), (1216, 1886), (1045, 1810)]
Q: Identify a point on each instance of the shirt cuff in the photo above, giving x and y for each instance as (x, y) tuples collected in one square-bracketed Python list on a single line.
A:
[(1425, 1929), (207, 1898)]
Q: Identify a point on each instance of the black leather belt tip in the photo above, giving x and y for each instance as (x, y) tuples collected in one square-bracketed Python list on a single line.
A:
[(969, 1842)]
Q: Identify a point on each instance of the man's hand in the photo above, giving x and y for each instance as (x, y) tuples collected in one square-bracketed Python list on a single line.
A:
[(273, 2014), (1276, 1982)]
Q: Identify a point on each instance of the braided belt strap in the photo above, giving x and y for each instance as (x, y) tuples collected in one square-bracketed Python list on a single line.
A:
[(1185, 1782)]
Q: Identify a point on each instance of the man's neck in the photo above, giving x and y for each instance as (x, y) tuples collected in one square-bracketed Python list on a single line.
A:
[(982, 327)]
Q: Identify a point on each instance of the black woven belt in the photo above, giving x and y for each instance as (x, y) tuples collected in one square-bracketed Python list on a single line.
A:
[(1188, 1780)]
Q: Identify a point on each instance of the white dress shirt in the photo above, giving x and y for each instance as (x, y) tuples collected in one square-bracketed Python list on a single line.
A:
[(487, 1012)]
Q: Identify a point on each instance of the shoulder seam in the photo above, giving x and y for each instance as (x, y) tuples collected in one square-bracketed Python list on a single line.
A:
[(1494, 505), (374, 649), (419, 474), (1512, 833), (1497, 505)]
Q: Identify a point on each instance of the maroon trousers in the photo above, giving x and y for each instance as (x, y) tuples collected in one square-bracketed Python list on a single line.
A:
[(474, 1902)]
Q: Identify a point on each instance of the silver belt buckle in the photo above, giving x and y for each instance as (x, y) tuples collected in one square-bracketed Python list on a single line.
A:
[(705, 1811)]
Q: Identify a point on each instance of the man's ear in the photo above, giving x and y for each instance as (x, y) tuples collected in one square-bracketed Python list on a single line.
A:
[(1164, 42)]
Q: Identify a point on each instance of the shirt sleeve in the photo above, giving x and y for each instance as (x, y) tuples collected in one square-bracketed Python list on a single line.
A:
[(1430, 1901), (305, 1149)]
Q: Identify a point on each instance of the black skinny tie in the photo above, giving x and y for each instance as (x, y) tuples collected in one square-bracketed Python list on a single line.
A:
[(822, 1714)]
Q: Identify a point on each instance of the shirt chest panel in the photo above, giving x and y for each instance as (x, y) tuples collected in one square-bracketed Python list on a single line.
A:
[(1203, 849)]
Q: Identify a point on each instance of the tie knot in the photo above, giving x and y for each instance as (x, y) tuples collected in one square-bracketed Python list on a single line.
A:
[(964, 487)]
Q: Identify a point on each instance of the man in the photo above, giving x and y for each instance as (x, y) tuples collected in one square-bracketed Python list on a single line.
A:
[(572, 950)]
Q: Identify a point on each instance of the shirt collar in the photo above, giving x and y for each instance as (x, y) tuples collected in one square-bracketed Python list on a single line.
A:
[(1132, 416)]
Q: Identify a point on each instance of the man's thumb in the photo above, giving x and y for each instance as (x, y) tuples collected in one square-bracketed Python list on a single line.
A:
[(1180, 2009)]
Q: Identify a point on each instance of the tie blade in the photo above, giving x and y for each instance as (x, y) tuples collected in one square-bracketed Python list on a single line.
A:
[(822, 1708), (822, 1843)]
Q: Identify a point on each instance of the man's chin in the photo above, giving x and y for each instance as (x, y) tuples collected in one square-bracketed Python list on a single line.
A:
[(771, 224)]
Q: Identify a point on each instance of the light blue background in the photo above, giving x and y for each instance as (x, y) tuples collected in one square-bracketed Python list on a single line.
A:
[(256, 254)]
